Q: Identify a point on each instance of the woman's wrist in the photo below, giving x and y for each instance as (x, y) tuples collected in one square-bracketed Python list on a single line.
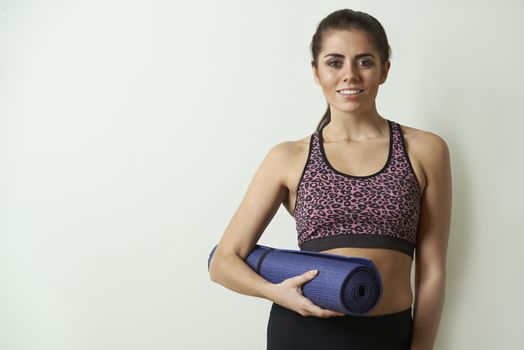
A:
[(268, 290)]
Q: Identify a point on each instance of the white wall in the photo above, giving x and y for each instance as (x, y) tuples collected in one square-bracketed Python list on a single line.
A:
[(129, 131)]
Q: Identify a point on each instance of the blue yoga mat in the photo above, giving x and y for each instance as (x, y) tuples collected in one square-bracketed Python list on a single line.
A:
[(351, 285)]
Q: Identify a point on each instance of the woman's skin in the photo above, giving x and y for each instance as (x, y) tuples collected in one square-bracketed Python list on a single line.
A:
[(356, 142)]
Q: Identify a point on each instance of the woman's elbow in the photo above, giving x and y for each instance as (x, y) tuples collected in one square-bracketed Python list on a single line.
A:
[(213, 267)]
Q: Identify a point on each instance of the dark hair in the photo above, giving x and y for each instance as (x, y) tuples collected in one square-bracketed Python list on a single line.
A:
[(347, 19)]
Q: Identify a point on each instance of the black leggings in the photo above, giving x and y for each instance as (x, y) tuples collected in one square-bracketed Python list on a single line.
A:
[(287, 329)]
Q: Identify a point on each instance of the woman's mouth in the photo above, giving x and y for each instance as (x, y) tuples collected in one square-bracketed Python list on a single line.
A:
[(350, 94)]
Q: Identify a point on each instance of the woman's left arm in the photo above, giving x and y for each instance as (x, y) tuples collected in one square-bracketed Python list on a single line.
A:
[(432, 242)]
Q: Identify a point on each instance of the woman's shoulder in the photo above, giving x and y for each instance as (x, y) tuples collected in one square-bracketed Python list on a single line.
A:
[(291, 155), (423, 141), (291, 149), (429, 151)]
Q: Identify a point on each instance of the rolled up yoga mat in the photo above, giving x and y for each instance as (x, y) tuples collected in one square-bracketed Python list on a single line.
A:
[(351, 285)]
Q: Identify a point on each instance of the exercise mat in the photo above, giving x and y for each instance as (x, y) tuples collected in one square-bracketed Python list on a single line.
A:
[(351, 285)]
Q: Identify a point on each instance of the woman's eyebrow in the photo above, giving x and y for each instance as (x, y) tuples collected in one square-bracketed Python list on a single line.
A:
[(356, 56)]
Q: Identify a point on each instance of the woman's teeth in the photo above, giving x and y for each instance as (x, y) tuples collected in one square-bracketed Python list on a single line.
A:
[(350, 92)]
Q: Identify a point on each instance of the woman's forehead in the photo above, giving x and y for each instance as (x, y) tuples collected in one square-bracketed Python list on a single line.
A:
[(347, 43)]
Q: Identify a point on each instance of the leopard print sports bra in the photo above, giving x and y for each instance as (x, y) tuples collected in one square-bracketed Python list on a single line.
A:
[(380, 210)]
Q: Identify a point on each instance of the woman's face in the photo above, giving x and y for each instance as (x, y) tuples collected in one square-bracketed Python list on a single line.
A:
[(344, 63)]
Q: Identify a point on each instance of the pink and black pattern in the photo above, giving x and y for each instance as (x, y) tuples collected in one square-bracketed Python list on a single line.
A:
[(380, 210)]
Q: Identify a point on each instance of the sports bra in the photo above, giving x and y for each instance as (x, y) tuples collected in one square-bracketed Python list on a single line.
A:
[(381, 210)]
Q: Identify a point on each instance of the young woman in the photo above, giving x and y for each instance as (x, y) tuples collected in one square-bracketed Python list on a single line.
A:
[(360, 185)]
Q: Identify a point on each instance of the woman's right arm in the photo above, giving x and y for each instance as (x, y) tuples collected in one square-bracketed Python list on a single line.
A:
[(262, 200)]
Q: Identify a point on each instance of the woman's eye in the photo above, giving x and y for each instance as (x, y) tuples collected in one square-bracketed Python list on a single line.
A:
[(362, 63)]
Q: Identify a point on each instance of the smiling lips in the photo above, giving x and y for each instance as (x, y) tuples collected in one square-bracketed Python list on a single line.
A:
[(350, 91), (350, 94)]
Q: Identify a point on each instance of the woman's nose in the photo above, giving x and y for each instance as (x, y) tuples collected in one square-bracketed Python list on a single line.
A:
[(350, 72)]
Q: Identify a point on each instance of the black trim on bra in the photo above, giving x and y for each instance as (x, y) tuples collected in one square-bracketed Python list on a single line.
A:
[(359, 240), (405, 151), (388, 161), (303, 172)]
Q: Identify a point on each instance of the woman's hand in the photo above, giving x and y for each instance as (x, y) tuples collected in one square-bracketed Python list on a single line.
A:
[(288, 294)]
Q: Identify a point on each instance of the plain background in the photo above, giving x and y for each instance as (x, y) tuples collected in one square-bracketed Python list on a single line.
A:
[(129, 131)]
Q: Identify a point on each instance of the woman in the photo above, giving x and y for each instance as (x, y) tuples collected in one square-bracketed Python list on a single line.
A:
[(361, 185)]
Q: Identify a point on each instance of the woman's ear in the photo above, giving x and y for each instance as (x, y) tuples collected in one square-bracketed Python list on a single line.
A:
[(385, 70), (315, 73)]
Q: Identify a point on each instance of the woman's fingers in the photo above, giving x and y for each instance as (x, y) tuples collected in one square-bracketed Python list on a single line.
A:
[(311, 309)]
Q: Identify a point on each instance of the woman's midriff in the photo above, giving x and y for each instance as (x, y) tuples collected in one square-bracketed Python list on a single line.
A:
[(395, 271)]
